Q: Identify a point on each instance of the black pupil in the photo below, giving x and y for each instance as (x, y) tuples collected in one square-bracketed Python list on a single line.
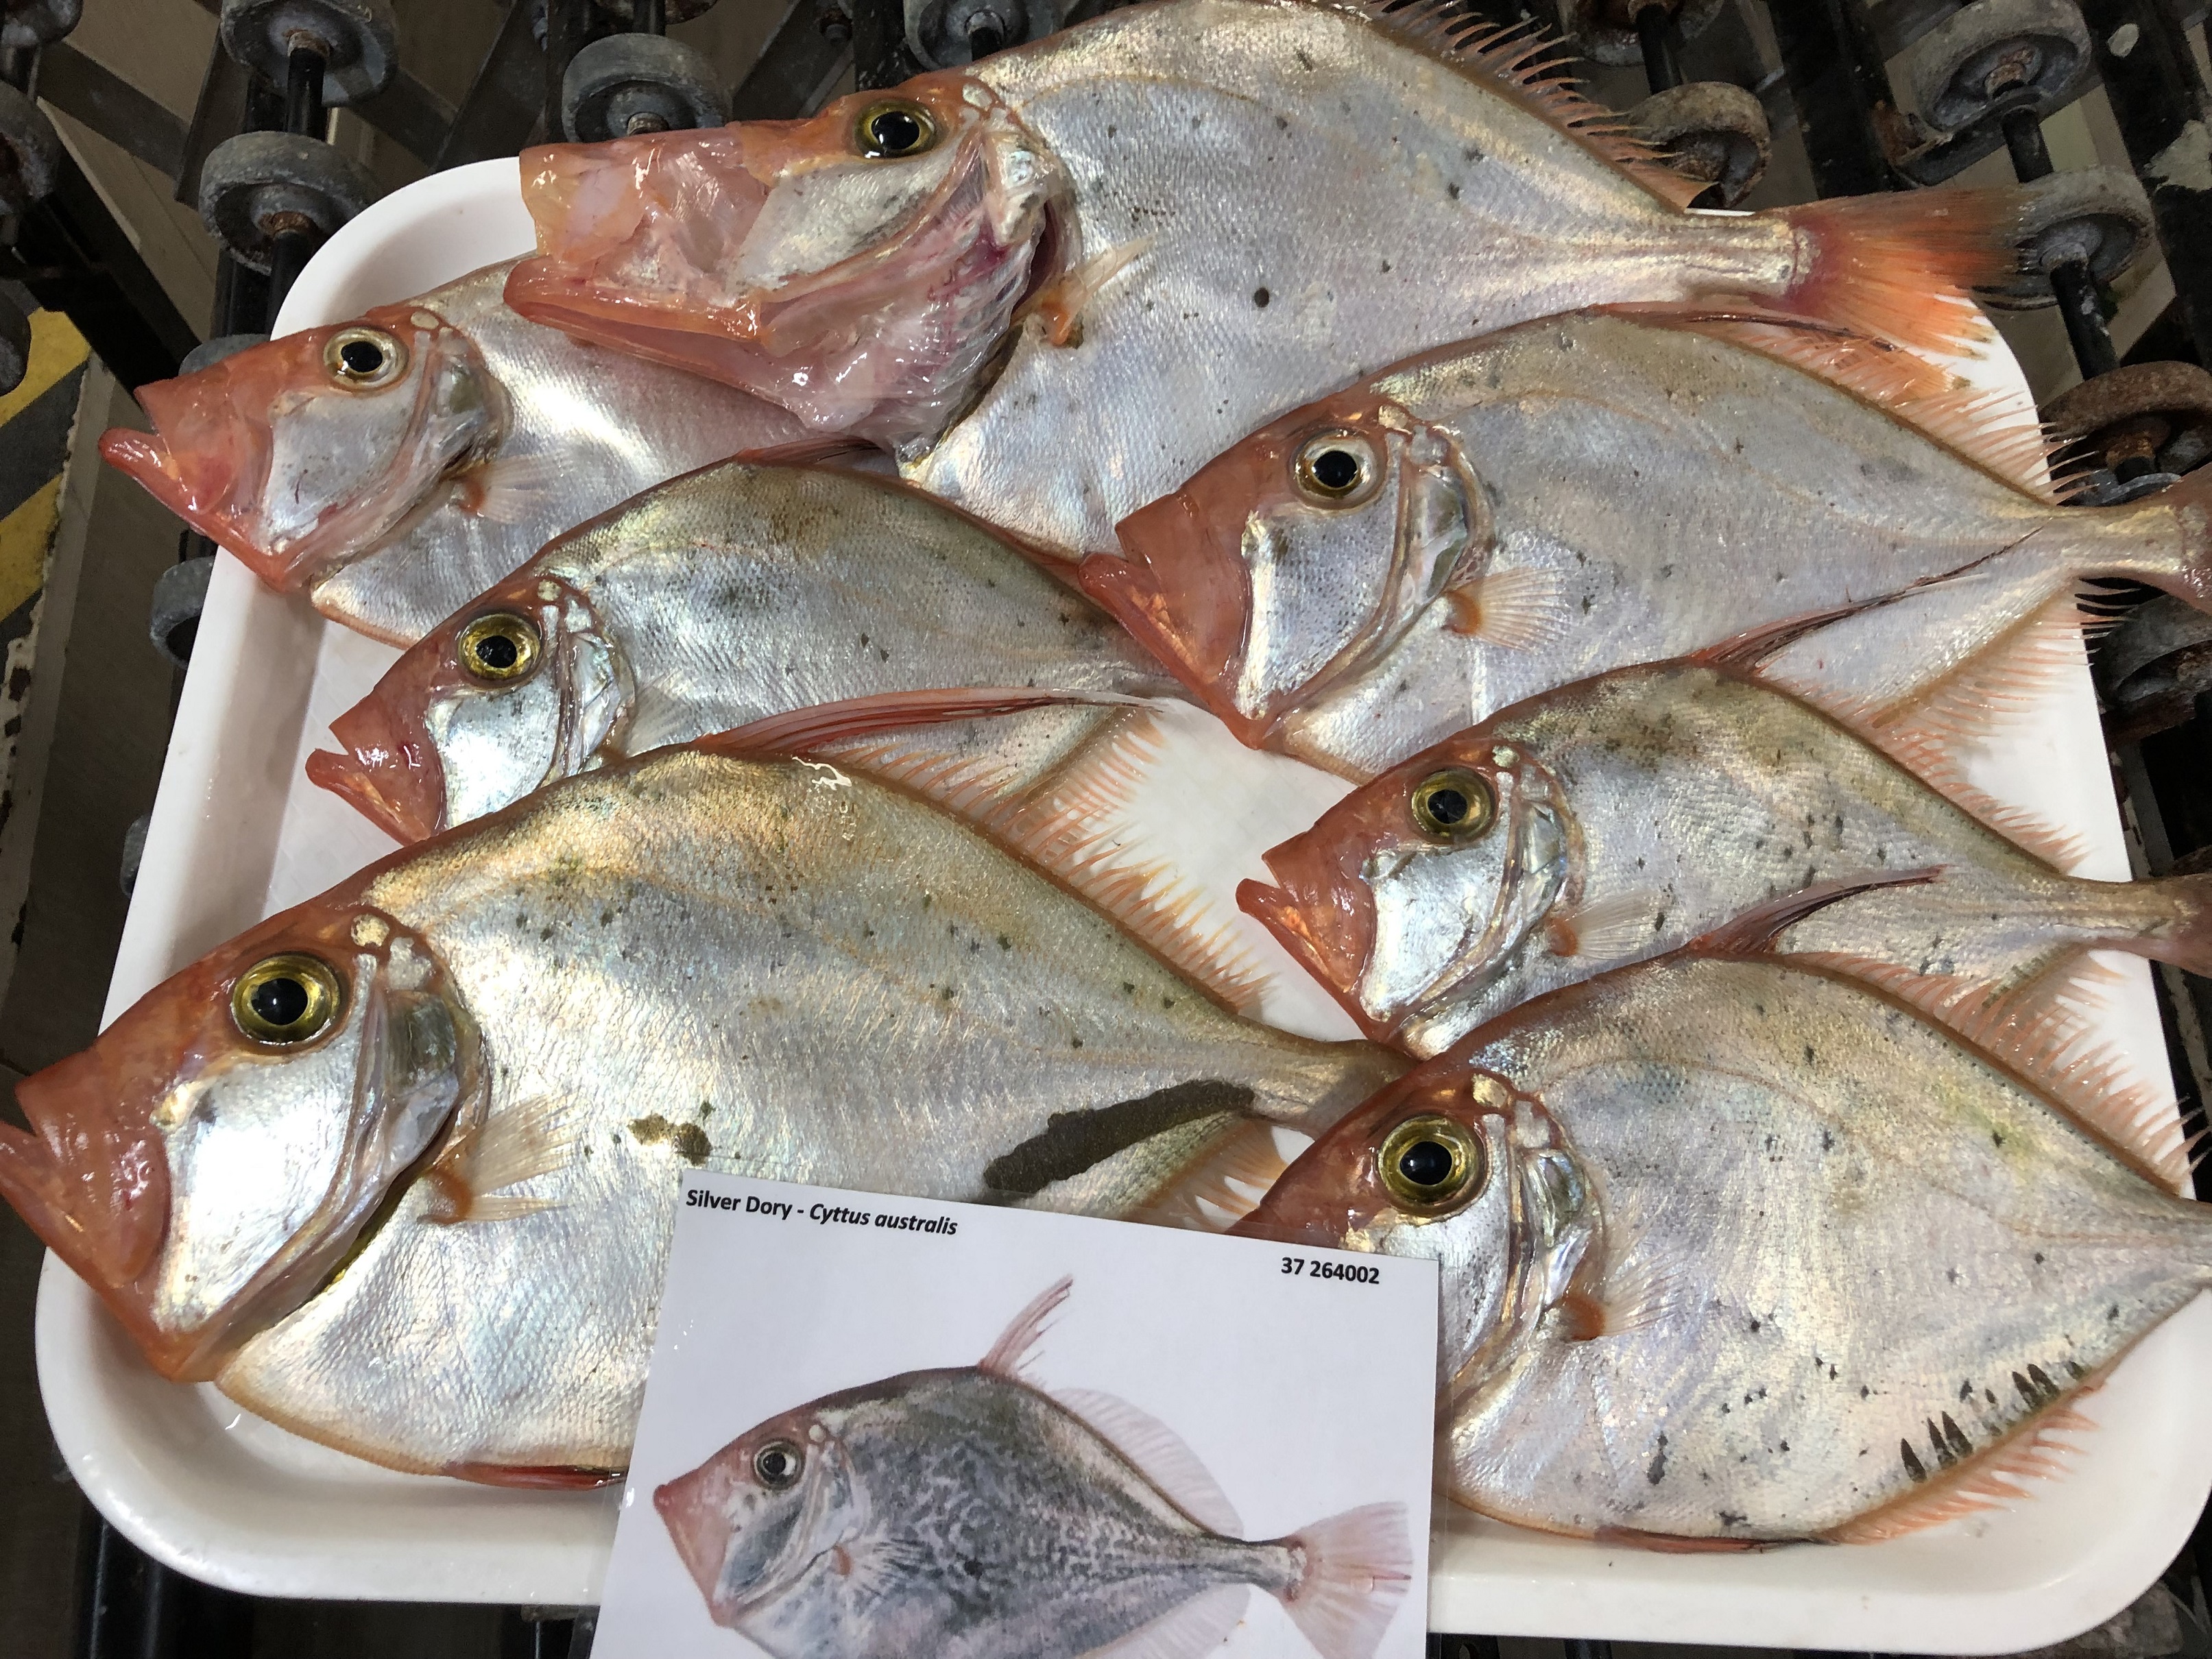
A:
[(1426, 1164), (280, 1001), (1448, 806), (361, 357), (497, 652), (776, 1465), (895, 131), (1336, 469)]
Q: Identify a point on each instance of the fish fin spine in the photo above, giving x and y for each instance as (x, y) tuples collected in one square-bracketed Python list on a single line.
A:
[(1530, 65), (1998, 1477), (1753, 933), (1900, 266), (1157, 1452), (2043, 1034), (1999, 431), (803, 729), (1355, 1568), (1224, 1186), (1519, 609), (1016, 1346)]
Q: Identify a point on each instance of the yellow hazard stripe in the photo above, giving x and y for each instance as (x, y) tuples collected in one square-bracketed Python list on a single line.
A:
[(56, 350), (25, 535)]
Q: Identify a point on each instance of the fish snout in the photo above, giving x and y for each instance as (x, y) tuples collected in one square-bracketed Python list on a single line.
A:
[(1323, 916), (694, 1508), (1186, 598), (389, 769)]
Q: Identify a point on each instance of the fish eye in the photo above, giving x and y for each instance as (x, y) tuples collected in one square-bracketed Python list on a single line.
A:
[(1454, 804), (1336, 469), (287, 1000), (498, 649), (778, 1464), (364, 357), (893, 129), (1431, 1165)]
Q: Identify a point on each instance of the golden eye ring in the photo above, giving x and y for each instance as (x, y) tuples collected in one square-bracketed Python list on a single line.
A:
[(1454, 804), (283, 1001), (1337, 469), (1431, 1166), (779, 1464), (892, 129), (364, 358), (499, 649)]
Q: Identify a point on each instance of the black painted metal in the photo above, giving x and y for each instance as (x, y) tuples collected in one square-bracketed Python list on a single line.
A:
[(1841, 89), (1655, 33), (89, 92), (568, 32), (805, 52), (880, 54), (506, 101)]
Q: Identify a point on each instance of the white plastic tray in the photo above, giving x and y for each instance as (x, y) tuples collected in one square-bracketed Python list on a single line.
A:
[(238, 833)]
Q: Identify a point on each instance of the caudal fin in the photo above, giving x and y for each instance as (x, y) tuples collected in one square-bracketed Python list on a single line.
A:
[(1358, 1568), (1901, 266)]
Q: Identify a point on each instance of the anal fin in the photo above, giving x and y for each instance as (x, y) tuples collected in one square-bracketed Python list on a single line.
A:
[(1191, 1631), (1996, 1478)]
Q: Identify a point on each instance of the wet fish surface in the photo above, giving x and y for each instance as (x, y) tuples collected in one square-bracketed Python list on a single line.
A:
[(1738, 1251), (396, 1169), (1366, 576), (737, 592), (1163, 227), (395, 466), (971, 1514), (1626, 815)]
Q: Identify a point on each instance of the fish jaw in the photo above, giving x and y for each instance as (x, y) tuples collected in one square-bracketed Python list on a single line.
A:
[(1322, 914), (695, 1509), (387, 768), (863, 295), (117, 1178), (270, 455)]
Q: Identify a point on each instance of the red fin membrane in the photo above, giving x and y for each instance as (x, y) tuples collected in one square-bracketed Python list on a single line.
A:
[(1898, 266)]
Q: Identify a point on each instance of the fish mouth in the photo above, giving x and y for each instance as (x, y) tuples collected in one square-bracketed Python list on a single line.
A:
[(1321, 917), (1185, 599), (691, 1508), (389, 771), (207, 462)]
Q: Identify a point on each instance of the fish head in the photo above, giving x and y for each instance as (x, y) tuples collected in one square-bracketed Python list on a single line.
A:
[(1426, 884), (208, 1162), (860, 267), (1455, 1164), (1298, 558), (297, 452), (519, 689), (755, 1516)]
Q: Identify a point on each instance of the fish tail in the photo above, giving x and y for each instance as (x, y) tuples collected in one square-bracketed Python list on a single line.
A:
[(1899, 267), (2182, 934), (1356, 1569), (2165, 539)]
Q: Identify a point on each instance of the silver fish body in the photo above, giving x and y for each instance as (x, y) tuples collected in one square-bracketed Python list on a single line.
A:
[(1737, 1251), (1639, 810), (971, 1515), (738, 591), (763, 967)]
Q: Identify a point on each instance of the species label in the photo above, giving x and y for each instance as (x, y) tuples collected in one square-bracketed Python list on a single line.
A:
[(887, 1426)]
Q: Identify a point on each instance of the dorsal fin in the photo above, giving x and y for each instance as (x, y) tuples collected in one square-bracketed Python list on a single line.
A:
[(1012, 1351), (1157, 1452), (1998, 431), (1997, 1477), (1528, 66), (1060, 824), (2041, 1033)]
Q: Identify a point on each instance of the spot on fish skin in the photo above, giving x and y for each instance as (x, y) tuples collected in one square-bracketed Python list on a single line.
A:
[(2041, 1378), (1945, 1457), (1864, 1391), (1754, 1331), (1452, 190), (1828, 1141), (1658, 1472), (2037, 1258), (1304, 62), (546, 932), (1965, 1391), (2077, 1372), (1730, 1518), (1913, 1466), (2112, 1312), (1261, 296), (1996, 1137), (1005, 943), (1951, 1273), (651, 1131), (1956, 1437), (690, 1144)]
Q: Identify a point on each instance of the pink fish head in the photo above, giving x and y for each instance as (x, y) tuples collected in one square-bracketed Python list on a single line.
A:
[(517, 690), (208, 1163), (859, 268), (1297, 559), (1423, 883), (298, 453), (757, 1515)]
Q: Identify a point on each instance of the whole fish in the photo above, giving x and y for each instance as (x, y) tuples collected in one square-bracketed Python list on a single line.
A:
[(1058, 280), (1374, 572), (1738, 1252), (394, 466), (1622, 817), (736, 592), (971, 1514), (396, 1167)]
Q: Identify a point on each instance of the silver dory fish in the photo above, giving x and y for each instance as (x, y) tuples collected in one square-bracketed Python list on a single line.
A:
[(396, 1167), (970, 1514), (1738, 1252), (740, 592), (396, 465)]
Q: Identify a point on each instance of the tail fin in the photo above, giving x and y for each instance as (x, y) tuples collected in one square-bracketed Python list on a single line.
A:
[(1357, 1566), (1900, 266), (2186, 940), (2189, 500)]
